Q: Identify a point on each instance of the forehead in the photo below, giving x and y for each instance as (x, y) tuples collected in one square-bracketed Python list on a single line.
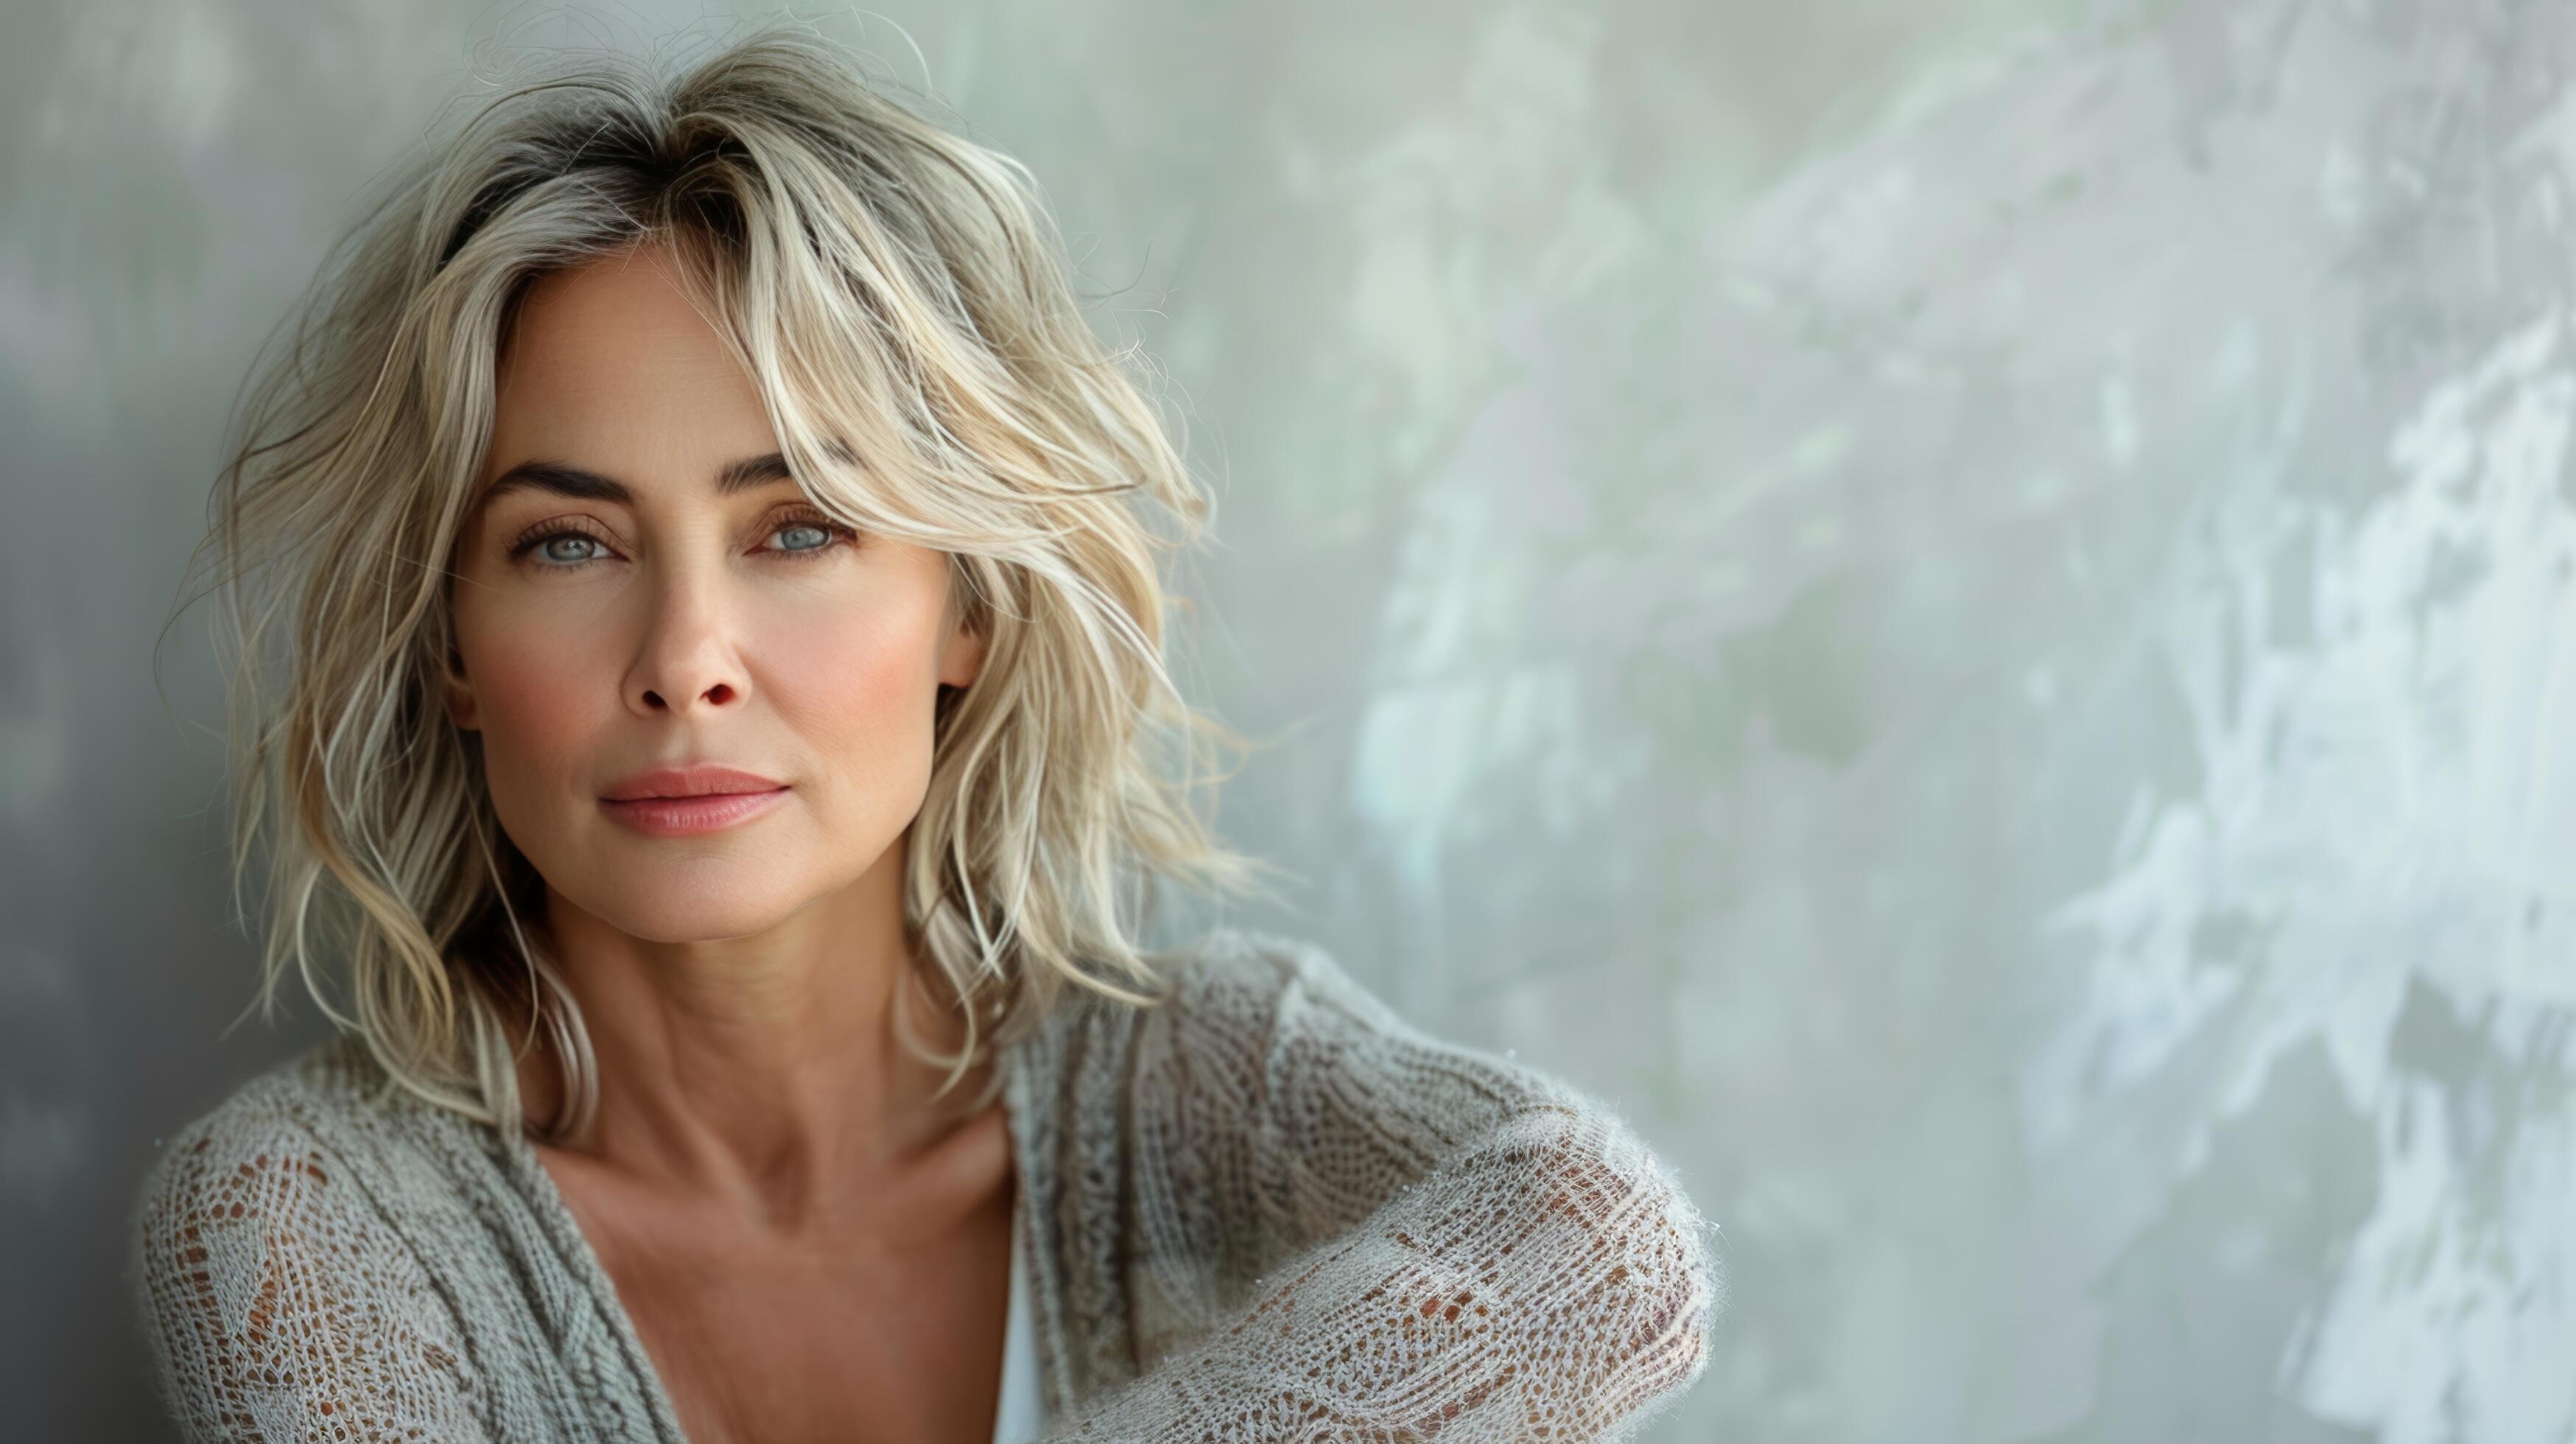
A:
[(610, 367)]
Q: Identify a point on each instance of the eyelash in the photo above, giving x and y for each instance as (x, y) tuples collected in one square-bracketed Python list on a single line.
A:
[(545, 532)]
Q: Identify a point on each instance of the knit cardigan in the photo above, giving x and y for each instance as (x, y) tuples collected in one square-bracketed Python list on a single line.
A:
[(1265, 1209)]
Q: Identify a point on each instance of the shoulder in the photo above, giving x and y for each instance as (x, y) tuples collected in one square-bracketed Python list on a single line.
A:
[(1283, 1011), (304, 1105), (274, 1164), (1234, 1002), (1227, 972), (1238, 973), (273, 1282), (283, 1111)]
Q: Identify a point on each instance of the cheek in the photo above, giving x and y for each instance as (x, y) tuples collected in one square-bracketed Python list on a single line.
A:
[(539, 688), (860, 683)]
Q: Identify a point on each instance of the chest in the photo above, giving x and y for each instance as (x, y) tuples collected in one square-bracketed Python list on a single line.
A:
[(892, 1346), (891, 1337)]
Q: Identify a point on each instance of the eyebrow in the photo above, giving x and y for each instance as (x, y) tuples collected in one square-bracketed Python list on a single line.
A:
[(748, 474)]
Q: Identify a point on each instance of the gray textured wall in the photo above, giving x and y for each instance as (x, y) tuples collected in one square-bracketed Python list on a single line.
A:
[(1958, 604)]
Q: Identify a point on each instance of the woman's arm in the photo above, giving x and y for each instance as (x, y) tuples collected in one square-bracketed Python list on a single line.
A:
[(1387, 1237), (278, 1305)]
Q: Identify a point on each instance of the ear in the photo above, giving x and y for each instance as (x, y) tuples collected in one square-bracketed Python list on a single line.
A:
[(458, 694), (961, 656)]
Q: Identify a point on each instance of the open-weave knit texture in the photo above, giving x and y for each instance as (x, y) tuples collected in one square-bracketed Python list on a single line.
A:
[(1267, 1210)]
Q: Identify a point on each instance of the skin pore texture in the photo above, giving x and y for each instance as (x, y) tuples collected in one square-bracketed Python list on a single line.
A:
[(810, 1245)]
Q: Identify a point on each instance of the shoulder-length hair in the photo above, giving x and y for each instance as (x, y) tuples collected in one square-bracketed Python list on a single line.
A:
[(896, 294)]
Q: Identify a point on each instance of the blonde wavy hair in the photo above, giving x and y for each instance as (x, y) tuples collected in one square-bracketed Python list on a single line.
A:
[(895, 292)]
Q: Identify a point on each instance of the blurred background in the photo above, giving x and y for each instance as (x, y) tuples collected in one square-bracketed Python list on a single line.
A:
[(1959, 606)]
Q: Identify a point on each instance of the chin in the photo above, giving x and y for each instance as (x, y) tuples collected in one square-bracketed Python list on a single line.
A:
[(698, 921), (695, 900)]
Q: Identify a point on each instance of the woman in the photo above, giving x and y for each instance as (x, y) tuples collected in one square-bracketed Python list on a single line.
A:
[(722, 663)]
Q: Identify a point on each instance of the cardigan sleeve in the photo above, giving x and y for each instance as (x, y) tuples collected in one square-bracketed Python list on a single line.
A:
[(278, 1304), (1360, 1232)]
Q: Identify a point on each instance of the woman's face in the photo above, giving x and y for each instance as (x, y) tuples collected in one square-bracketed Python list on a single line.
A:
[(640, 586)]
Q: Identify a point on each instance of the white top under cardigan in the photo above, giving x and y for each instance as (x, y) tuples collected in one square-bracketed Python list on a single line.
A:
[(1017, 1419), (1263, 1208)]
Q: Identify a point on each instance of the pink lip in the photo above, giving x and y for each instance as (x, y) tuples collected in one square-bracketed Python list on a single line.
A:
[(675, 801), (679, 816)]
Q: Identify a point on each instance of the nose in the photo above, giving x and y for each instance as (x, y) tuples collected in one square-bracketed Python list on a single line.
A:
[(687, 662)]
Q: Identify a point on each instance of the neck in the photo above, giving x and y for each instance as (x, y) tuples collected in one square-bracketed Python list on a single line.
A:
[(762, 1074)]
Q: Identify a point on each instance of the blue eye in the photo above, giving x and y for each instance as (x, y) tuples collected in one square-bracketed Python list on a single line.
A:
[(828, 530), (543, 544), (821, 532)]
